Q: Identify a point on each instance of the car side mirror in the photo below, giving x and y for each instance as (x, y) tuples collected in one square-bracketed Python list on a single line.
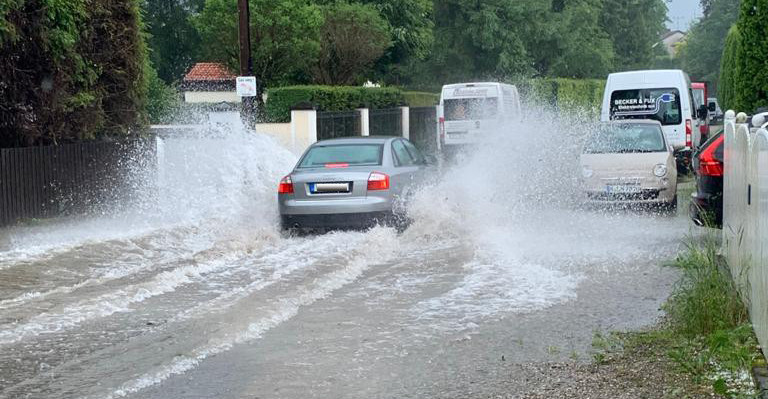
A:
[(702, 112)]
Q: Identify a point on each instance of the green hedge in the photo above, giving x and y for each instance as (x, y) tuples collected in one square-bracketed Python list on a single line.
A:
[(71, 70), (564, 94), (421, 98), (329, 98)]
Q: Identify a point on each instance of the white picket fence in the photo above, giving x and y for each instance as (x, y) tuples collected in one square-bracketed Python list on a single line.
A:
[(745, 214)]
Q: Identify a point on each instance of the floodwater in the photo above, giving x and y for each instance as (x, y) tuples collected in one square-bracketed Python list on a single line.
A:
[(196, 293)]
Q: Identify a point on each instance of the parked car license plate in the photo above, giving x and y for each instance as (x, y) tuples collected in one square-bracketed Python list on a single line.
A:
[(622, 189)]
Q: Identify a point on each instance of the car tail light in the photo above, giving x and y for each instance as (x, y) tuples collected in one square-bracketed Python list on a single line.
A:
[(688, 133), (337, 165), (708, 164), (286, 186), (442, 127), (378, 181)]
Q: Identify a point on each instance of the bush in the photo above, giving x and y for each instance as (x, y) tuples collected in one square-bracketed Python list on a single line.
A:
[(162, 100), (753, 26), (71, 70), (329, 98), (730, 71), (421, 99)]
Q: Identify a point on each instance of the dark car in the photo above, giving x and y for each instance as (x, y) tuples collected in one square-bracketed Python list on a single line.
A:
[(706, 207)]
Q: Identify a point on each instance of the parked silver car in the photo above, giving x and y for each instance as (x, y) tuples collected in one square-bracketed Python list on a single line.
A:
[(350, 183)]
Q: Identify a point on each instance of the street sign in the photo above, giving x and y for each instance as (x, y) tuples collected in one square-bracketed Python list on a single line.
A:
[(246, 86)]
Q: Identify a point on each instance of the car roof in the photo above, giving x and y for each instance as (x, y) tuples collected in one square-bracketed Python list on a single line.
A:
[(356, 140)]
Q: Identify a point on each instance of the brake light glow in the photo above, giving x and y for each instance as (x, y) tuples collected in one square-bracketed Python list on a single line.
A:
[(688, 133), (442, 127), (708, 164), (378, 181), (337, 165), (286, 186)]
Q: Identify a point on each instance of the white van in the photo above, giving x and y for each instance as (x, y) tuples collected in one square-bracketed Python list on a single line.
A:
[(662, 95), (466, 109)]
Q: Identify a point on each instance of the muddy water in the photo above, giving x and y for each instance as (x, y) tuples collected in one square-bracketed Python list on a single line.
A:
[(195, 293)]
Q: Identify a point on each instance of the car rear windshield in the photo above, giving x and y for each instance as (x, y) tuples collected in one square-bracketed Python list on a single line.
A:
[(626, 138), (460, 109), (342, 154), (662, 105)]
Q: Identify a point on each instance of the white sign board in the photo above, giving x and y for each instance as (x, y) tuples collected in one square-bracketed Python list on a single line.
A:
[(246, 86)]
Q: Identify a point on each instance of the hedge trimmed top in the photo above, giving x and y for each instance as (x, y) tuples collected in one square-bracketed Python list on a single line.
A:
[(584, 94), (329, 98)]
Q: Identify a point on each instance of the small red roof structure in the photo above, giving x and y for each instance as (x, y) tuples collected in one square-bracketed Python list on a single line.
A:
[(209, 72)]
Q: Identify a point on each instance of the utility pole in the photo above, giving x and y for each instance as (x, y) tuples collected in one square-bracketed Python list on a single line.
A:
[(246, 63)]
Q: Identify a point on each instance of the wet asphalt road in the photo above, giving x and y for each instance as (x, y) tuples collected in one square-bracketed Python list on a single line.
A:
[(205, 313)]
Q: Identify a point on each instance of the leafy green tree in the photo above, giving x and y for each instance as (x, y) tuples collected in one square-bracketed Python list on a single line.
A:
[(700, 56), (284, 37), (162, 99), (634, 26), (478, 40), (753, 26), (172, 40), (352, 38), (411, 34), (581, 49)]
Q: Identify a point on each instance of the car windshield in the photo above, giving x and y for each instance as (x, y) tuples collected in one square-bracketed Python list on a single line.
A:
[(662, 105), (460, 109), (625, 138), (349, 154)]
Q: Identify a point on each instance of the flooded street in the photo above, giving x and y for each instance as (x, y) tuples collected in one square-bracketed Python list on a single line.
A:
[(197, 294)]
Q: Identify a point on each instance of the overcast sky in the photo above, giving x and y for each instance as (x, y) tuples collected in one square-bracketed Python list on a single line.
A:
[(682, 13)]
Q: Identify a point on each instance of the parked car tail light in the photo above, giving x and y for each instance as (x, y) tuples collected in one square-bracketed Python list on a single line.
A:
[(286, 186), (688, 133), (708, 164), (378, 181), (442, 127)]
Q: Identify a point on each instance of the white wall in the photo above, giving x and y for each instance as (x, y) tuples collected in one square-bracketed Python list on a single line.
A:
[(211, 97)]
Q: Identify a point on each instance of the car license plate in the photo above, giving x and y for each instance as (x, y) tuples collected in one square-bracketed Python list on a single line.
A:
[(327, 188), (622, 189)]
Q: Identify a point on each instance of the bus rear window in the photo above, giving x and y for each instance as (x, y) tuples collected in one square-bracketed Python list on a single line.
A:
[(662, 105), (460, 109)]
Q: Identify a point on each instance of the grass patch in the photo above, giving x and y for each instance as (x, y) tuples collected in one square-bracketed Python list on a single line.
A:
[(706, 335)]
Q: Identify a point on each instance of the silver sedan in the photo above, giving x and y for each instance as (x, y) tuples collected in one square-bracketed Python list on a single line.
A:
[(350, 183)]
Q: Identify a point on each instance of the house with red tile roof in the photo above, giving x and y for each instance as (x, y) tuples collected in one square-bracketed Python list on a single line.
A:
[(209, 82)]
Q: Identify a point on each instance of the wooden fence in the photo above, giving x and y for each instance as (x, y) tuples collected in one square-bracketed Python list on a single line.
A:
[(40, 182)]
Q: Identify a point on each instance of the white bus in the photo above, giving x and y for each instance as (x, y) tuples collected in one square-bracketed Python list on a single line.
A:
[(467, 109)]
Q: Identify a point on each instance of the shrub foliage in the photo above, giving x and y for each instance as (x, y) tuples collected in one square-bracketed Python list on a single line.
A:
[(71, 70), (329, 98)]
